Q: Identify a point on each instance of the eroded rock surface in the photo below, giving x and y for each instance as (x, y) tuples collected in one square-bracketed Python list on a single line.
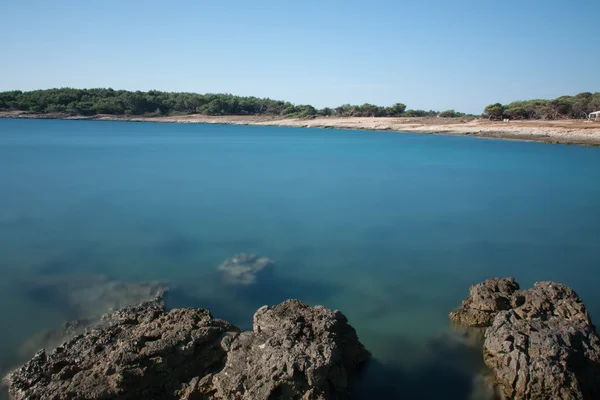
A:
[(244, 269), (294, 351), (485, 300), (543, 346), (304, 352)]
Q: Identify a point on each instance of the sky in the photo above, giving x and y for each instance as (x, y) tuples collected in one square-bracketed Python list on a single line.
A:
[(427, 54)]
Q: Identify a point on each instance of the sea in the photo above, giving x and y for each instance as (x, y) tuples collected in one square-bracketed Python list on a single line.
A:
[(390, 228)]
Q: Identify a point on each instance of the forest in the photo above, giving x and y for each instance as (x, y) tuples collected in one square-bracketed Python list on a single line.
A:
[(578, 106), (90, 102), (121, 102)]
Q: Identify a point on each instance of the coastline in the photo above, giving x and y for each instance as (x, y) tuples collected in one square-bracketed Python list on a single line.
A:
[(575, 132)]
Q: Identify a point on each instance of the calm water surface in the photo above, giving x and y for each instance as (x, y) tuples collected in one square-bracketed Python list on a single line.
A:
[(390, 228)]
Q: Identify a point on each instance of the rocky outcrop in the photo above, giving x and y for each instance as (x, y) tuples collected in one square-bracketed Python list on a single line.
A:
[(294, 351), (243, 269), (543, 346), (485, 300)]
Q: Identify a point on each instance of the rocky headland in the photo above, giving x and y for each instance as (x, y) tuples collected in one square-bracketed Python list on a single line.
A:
[(145, 351), (539, 343)]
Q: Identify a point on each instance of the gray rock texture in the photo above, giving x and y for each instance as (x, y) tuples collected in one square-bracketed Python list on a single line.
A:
[(294, 351), (485, 300), (543, 345)]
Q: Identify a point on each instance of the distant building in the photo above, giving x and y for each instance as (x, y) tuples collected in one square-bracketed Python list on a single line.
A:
[(594, 115)]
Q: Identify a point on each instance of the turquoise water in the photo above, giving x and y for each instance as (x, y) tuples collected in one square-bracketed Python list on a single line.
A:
[(391, 228)]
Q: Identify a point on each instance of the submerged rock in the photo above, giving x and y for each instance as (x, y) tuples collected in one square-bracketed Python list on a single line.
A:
[(543, 346), (50, 338), (243, 269), (83, 296), (294, 351)]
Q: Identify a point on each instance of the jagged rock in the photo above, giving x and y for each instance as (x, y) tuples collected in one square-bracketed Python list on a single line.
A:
[(543, 346), (543, 359), (294, 351), (547, 299), (243, 268), (486, 299), (145, 353)]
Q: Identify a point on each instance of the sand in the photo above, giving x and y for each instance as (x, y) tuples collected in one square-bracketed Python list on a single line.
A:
[(560, 131)]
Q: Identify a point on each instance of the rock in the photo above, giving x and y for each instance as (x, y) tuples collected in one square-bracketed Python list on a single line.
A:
[(550, 299), (486, 299), (546, 347), (144, 353), (540, 344), (244, 268), (543, 359), (50, 338), (294, 351)]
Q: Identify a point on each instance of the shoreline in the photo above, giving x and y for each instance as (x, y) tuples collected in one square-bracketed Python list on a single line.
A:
[(575, 132)]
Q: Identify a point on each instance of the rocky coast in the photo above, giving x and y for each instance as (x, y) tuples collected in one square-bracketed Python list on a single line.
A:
[(534, 344), (539, 343), (145, 351)]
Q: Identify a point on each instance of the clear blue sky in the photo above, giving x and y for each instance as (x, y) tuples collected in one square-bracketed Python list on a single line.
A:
[(438, 54)]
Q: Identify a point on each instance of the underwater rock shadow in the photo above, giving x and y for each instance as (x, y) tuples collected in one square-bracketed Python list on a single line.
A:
[(455, 371), (238, 303), (68, 261), (273, 288), (85, 295), (177, 248), (379, 381)]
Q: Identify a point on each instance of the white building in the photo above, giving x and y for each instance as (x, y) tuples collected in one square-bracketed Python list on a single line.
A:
[(594, 115)]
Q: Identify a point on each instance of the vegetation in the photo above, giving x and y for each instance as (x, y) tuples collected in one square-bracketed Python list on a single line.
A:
[(122, 102), (578, 106)]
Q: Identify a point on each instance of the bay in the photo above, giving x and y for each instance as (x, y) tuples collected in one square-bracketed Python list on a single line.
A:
[(390, 228)]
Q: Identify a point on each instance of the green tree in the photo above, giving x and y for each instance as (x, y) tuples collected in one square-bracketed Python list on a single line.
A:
[(396, 110), (494, 111)]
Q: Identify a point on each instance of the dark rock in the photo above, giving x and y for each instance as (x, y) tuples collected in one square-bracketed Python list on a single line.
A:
[(486, 299), (51, 338), (243, 269), (294, 351), (541, 344), (550, 299), (543, 359), (144, 352)]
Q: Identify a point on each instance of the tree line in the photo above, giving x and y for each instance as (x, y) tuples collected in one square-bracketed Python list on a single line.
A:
[(90, 102), (578, 106)]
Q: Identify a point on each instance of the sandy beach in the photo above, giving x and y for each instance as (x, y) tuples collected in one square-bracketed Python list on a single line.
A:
[(560, 131)]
